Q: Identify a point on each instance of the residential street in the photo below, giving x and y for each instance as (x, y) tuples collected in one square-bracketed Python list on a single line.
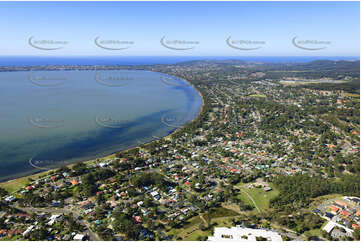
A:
[(92, 236)]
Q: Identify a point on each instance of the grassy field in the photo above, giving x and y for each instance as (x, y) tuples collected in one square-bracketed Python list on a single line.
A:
[(189, 228), (14, 238), (245, 199), (16, 184), (220, 222), (353, 95), (261, 198), (258, 95), (191, 231), (315, 232), (299, 82), (221, 212)]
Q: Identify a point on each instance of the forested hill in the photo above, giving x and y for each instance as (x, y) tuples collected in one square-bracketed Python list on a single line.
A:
[(327, 65)]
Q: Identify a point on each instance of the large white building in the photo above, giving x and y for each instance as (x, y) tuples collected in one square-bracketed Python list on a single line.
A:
[(243, 234)]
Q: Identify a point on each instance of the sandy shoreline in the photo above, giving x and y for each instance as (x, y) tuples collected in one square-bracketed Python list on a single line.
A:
[(37, 174)]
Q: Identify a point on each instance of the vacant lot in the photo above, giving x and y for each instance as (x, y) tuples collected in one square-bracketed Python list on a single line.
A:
[(16, 184), (260, 197), (258, 95), (191, 230)]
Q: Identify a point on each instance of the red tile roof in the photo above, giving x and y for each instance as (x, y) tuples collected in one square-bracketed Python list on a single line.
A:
[(138, 219), (334, 208), (355, 226), (341, 203)]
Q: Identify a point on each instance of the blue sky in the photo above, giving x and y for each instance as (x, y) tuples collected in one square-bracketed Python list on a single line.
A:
[(273, 24)]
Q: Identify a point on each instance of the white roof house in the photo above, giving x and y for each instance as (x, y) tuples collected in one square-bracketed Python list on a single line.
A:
[(78, 237), (155, 193), (329, 226), (54, 218), (28, 230), (243, 234), (10, 199)]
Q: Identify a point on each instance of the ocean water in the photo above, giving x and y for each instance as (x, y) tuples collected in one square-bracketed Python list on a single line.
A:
[(51, 118)]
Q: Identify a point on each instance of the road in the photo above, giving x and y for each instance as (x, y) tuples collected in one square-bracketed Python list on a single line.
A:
[(289, 233), (92, 236)]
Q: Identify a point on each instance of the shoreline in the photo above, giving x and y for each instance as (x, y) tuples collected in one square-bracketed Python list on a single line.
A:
[(107, 156)]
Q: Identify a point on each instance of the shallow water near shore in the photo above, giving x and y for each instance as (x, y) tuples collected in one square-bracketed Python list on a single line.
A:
[(52, 118)]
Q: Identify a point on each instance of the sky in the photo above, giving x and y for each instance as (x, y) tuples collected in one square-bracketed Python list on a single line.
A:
[(201, 28)]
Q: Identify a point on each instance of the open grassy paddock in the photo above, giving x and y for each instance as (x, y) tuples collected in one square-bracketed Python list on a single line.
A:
[(191, 230), (260, 197)]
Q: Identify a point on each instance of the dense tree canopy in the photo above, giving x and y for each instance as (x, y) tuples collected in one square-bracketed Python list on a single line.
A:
[(297, 191)]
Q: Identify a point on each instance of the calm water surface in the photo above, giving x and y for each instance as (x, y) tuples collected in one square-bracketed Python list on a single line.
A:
[(51, 118)]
